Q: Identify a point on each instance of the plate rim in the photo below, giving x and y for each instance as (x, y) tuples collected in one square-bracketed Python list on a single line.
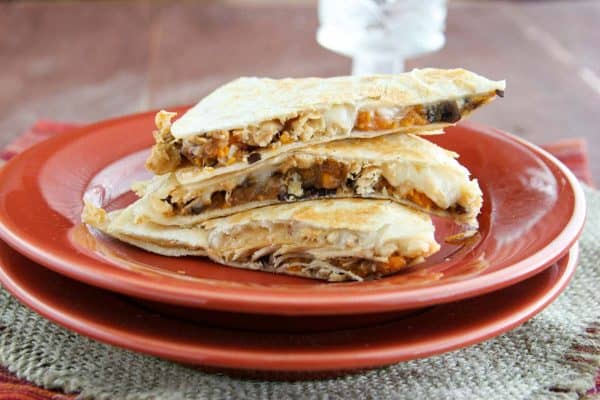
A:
[(283, 361), (205, 296)]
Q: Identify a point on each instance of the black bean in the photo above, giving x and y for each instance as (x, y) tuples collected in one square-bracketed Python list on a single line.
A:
[(169, 201), (276, 137), (305, 190), (351, 180), (286, 197), (196, 209), (458, 209), (282, 193), (264, 260), (326, 192), (500, 93), (445, 111), (254, 157), (317, 192)]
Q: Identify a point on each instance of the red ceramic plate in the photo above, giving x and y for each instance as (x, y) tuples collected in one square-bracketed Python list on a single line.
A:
[(117, 320), (533, 212)]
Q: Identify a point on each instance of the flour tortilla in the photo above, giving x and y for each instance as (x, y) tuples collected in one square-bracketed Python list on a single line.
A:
[(254, 119), (333, 240), (250, 101)]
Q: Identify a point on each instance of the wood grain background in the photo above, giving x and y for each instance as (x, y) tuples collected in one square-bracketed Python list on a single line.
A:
[(85, 61)]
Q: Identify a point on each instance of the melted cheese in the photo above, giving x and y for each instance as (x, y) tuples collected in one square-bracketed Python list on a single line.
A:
[(340, 115)]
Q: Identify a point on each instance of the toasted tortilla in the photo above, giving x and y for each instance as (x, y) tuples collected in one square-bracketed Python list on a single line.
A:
[(253, 119), (333, 240)]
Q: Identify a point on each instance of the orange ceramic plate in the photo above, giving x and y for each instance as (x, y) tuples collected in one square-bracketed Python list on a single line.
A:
[(114, 319), (533, 212)]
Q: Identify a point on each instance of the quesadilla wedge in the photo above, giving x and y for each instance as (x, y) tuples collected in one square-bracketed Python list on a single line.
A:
[(333, 240), (253, 119), (401, 167)]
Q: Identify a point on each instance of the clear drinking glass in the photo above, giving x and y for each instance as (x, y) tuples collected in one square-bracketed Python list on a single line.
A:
[(380, 34)]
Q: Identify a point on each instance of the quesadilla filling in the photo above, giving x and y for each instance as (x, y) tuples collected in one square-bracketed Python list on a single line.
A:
[(295, 250), (295, 264), (225, 147), (354, 266), (294, 181)]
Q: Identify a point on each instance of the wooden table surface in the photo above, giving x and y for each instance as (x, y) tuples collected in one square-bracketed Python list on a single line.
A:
[(85, 61)]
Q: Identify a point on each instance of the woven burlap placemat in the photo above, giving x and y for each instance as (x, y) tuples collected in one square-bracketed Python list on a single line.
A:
[(553, 356)]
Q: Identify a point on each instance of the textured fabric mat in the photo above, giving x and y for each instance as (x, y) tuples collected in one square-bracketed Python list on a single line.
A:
[(554, 356)]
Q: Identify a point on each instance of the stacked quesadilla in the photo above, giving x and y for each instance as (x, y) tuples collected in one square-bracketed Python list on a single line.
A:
[(320, 178)]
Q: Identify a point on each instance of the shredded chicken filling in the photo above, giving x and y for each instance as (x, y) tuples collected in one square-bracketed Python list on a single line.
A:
[(225, 147), (362, 267), (322, 179), (220, 148)]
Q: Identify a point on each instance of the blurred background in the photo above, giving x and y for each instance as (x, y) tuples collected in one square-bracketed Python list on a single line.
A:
[(81, 61)]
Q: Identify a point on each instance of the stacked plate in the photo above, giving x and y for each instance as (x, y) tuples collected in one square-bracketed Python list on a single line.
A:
[(194, 311)]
